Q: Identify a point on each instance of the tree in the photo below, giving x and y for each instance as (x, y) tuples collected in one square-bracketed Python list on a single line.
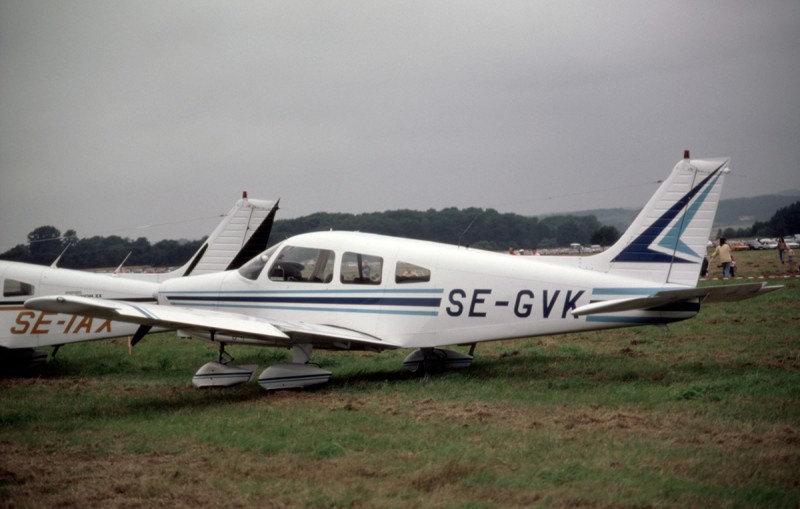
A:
[(605, 236), (140, 252), (786, 221), (45, 244), (18, 253), (568, 232), (69, 237)]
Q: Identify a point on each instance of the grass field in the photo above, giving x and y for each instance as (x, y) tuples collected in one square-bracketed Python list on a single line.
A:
[(704, 414)]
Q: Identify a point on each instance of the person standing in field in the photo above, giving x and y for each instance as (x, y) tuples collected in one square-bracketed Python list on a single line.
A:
[(781, 248), (724, 253)]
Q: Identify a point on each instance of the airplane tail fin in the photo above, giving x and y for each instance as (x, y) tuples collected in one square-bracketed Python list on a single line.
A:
[(241, 235), (667, 241)]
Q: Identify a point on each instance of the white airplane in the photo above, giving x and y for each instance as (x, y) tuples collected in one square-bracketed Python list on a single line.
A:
[(242, 233), (357, 291)]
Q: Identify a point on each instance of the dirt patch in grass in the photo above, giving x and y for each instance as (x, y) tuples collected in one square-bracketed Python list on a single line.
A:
[(208, 477), (466, 414), (85, 478), (787, 362)]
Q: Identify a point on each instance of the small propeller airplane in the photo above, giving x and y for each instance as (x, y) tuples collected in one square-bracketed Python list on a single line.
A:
[(243, 232), (358, 291)]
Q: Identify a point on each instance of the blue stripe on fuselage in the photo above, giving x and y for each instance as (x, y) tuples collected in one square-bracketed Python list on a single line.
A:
[(349, 301), (342, 301), (379, 311)]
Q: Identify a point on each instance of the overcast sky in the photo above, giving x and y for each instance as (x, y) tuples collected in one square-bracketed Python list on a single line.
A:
[(117, 114)]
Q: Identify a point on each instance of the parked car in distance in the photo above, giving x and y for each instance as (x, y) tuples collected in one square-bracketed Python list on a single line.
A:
[(769, 243), (754, 244), (739, 246)]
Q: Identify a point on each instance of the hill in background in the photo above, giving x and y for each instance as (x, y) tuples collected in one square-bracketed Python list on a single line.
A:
[(735, 212)]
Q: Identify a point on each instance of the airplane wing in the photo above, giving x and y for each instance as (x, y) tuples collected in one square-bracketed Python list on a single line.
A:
[(706, 294), (233, 325)]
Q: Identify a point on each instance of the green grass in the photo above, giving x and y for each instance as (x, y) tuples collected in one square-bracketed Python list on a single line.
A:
[(704, 414)]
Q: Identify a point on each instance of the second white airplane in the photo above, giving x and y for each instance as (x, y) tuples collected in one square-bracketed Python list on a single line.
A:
[(242, 233), (357, 291)]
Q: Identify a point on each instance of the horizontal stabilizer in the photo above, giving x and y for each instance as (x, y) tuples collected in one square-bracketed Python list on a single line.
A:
[(706, 294)]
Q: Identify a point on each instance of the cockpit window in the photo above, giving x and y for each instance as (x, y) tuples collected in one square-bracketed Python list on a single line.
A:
[(14, 288), (303, 264), (361, 269), (253, 268), (409, 273)]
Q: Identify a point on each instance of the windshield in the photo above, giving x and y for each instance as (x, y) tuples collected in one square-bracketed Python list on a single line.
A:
[(253, 268), (304, 264)]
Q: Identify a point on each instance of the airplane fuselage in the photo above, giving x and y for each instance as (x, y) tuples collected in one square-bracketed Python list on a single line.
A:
[(26, 328), (414, 293)]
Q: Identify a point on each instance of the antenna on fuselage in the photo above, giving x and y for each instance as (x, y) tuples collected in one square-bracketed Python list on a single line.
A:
[(54, 265), (123, 263), (466, 230)]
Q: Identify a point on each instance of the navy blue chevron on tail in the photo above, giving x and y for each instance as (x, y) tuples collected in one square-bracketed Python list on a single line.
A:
[(640, 249)]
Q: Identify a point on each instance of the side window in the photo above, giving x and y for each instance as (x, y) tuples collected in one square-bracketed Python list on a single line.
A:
[(409, 273), (303, 264), (13, 288), (361, 269)]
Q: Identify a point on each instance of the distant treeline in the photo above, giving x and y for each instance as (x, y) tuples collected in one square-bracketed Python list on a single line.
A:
[(757, 208), (479, 228), (475, 227), (45, 243), (786, 221)]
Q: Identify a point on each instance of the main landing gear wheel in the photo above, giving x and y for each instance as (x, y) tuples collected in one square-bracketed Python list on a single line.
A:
[(434, 360)]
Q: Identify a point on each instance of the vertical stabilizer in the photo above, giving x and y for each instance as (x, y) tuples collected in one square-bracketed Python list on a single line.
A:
[(668, 239), (248, 220)]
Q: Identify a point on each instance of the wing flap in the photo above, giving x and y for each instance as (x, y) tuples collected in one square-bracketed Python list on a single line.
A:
[(300, 330), (706, 294)]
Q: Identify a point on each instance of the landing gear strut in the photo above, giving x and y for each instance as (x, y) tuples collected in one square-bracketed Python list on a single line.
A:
[(223, 357), (220, 373)]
